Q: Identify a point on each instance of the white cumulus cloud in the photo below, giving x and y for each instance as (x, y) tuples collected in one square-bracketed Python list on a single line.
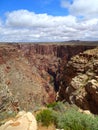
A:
[(86, 8), (23, 25), (24, 18)]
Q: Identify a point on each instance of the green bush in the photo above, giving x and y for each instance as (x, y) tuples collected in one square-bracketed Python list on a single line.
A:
[(52, 105), (46, 117), (67, 117), (74, 120), (57, 106)]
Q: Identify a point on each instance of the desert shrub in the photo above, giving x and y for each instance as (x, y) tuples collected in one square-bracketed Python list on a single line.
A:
[(46, 117), (67, 117), (57, 106), (74, 120), (52, 105)]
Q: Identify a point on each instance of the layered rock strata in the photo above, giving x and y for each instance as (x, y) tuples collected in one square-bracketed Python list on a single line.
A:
[(79, 81)]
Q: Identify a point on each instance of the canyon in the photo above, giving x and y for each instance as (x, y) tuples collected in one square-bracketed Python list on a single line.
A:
[(31, 74)]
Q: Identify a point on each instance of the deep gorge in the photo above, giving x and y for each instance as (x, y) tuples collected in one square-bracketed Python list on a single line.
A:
[(33, 72)]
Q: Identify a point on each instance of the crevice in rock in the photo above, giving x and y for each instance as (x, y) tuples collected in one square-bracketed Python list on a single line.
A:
[(55, 80)]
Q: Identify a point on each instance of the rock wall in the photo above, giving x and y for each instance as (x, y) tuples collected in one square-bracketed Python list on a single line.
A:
[(79, 81), (58, 50)]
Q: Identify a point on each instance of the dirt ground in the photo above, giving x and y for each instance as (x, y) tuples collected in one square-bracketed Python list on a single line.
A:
[(52, 127)]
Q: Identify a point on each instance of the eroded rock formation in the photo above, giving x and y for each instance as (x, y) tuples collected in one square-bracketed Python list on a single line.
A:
[(79, 81)]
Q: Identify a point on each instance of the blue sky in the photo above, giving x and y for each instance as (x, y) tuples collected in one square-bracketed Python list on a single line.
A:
[(48, 20), (51, 7)]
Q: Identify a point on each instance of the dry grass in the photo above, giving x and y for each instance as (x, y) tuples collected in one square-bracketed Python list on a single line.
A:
[(51, 127)]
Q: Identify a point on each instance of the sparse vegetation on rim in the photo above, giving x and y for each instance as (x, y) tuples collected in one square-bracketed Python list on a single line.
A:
[(70, 119)]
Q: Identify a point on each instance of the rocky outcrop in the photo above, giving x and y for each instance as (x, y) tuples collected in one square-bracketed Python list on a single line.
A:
[(23, 121), (79, 81)]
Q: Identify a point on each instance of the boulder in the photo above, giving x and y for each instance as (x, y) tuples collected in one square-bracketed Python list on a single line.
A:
[(23, 121)]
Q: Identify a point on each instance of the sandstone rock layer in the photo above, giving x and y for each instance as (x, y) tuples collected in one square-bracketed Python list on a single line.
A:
[(23, 121)]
